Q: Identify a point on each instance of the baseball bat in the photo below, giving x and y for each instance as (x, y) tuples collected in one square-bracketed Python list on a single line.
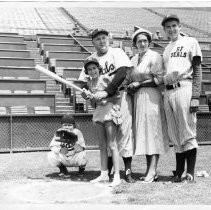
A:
[(56, 77)]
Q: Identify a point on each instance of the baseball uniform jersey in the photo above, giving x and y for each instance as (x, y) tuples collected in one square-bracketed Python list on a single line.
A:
[(178, 58)]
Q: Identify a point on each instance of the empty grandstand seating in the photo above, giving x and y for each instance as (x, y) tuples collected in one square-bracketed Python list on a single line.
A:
[(63, 40), (37, 91), (19, 72), (59, 47), (12, 46), (55, 40), (65, 55), (203, 99), (206, 86), (24, 85), (206, 75), (207, 64), (17, 62), (206, 52), (30, 20), (86, 42), (191, 19), (206, 59), (3, 110), (5, 91), (75, 63), (42, 110), (88, 48), (71, 73), (18, 110), (15, 53), (9, 38), (8, 33), (28, 100)]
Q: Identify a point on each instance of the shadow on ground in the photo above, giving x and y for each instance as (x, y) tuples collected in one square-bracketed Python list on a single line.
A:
[(89, 175)]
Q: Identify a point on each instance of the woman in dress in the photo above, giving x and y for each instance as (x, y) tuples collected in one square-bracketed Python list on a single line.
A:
[(150, 129)]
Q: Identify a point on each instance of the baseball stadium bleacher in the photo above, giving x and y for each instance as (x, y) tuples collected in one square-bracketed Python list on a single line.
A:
[(58, 39)]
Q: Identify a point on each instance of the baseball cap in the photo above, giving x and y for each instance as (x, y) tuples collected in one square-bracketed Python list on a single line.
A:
[(98, 31), (68, 119), (90, 60), (139, 31), (170, 17)]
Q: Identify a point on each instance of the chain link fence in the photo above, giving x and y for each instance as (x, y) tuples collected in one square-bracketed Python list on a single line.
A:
[(34, 132), (204, 128)]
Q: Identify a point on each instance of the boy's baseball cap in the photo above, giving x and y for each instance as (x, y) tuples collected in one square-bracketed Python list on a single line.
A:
[(90, 60), (98, 31), (170, 17), (68, 119)]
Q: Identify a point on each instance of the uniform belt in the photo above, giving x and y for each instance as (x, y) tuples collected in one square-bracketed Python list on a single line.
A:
[(173, 86)]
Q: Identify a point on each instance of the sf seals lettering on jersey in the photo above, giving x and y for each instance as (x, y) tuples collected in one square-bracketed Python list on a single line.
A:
[(178, 56), (179, 52)]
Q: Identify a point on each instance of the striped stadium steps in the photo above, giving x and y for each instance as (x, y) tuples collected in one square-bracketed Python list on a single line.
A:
[(62, 103)]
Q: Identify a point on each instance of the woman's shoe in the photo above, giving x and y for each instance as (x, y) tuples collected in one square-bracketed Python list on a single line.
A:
[(152, 179), (142, 178)]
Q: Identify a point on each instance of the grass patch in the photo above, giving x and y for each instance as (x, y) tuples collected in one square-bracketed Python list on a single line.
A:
[(34, 165)]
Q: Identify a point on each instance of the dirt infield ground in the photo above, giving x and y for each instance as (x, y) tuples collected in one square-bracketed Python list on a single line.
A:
[(27, 178)]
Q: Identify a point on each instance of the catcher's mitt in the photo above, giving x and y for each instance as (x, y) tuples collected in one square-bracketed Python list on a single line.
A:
[(66, 136)]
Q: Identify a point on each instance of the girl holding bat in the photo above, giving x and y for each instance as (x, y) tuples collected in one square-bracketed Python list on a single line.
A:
[(107, 118)]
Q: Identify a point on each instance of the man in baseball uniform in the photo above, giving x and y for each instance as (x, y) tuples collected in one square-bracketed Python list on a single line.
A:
[(115, 63), (182, 79)]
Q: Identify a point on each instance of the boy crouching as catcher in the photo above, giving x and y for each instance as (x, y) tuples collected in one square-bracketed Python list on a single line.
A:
[(68, 147)]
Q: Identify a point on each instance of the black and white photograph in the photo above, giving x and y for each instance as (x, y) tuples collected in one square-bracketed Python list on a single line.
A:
[(105, 105)]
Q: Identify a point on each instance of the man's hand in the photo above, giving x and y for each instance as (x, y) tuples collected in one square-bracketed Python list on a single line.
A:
[(171, 78), (100, 95), (194, 105)]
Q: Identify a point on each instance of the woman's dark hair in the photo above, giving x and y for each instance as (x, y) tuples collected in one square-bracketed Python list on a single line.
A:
[(144, 33), (97, 64)]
